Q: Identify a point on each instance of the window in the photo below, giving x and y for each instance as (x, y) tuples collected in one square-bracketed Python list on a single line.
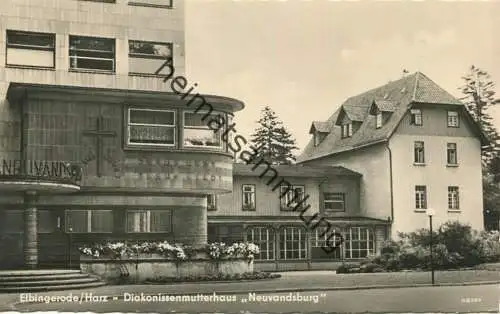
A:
[(153, 3), (379, 120), (30, 49), (89, 221), (47, 222), (453, 198), (147, 57), (334, 202), (13, 221), (263, 237), (453, 119), (359, 242), (248, 196), (451, 154), (197, 132), (151, 127), (346, 130), (91, 53), (420, 197), (416, 116), (325, 237), (292, 243), (419, 153), (226, 233), (290, 196), (211, 202), (149, 221)]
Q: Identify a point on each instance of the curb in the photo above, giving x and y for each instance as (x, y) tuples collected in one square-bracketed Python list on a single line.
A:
[(12, 306)]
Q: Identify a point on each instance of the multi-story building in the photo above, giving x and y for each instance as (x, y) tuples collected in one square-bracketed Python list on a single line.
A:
[(97, 139), (416, 147)]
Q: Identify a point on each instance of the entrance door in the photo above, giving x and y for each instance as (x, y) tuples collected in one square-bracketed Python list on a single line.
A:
[(53, 242)]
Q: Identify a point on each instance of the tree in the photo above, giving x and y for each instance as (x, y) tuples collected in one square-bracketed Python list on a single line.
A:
[(479, 97), (273, 141)]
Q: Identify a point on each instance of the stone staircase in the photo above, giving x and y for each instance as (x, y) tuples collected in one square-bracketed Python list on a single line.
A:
[(17, 281)]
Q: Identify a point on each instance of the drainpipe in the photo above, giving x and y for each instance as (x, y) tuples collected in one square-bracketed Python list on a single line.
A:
[(391, 184)]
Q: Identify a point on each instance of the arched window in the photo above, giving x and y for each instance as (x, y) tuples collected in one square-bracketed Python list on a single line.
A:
[(263, 237), (359, 242), (292, 243)]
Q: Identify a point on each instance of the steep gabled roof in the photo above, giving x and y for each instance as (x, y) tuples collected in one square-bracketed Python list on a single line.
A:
[(383, 105), (398, 95), (320, 126)]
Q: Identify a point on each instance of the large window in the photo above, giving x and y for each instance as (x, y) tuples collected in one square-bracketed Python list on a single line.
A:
[(290, 196), (263, 237), (151, 127), (453, 198), (148, 57), (418, 152), (89, 221), (159, 221), (47, 221), (451, 154), (334, 202), (420, 197), (226, 233), (91, 53), (248, 191), (12, 221), (197, 132), (292, 243), (453, 121), (329, 238), (359, 242), (416, 116), (30, 49)]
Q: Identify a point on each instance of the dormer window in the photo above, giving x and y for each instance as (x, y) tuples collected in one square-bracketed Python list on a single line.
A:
[(416, 116), (346, 130), (379, 120)]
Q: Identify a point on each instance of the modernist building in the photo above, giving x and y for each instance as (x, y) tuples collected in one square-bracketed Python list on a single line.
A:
[(95, 144)]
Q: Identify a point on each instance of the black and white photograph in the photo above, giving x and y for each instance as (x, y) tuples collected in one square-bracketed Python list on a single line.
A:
[(249, 156)]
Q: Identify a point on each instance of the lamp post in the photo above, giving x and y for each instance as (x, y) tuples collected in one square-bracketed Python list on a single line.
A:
[(430, 213)]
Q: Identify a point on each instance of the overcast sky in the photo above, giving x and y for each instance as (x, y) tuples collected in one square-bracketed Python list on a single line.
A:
[(304, 58)]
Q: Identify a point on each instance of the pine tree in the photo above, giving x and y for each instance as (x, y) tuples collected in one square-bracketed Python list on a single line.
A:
[(479, 97), (273, 141)]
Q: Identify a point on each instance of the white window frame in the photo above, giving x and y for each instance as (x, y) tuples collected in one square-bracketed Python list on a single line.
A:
[(346, 130), (89, 219), (320, 239), (416, 117), (29, 46), (264, 238), (419, 152), (454, 198), (286, 198), (453, 119), (202, 127), (113, 52), (379, 120), (147, 227), (297, 233), (451, 150), (363, 253), (252, 194), (134, 55), (420, 197), (212, 202), (327, 200), (170, 126)]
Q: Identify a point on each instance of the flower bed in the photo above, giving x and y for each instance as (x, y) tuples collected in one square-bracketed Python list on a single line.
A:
[(149, 260), (219, 277)]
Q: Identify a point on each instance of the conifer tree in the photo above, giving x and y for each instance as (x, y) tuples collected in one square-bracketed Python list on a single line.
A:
[(272, 140)]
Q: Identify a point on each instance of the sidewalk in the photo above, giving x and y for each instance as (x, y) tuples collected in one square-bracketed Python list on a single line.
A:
[(290, 281)]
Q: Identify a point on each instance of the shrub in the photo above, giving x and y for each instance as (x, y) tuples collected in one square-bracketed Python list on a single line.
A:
[(342, 269), (368, 268)]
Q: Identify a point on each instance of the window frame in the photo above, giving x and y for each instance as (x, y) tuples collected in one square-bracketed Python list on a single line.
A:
[(204, 127), (321, 242), (148, 213), (417, 153), (284, 197), (269, 242), (325, 200), (420, 197), (76, 69), (346, 130), (449, 152), (451, 114), (30, 47), (151, 57), (212, 206), (253, 193), (416, 117), (173, 126), (89, 221), (348, 242), (302, 239), (379, 120), (453, 198)]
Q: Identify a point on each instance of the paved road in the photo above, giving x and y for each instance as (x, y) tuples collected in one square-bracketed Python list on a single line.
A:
[(483, 298)]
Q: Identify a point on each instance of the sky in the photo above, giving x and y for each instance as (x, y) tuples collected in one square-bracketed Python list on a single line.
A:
[(304, 58)]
